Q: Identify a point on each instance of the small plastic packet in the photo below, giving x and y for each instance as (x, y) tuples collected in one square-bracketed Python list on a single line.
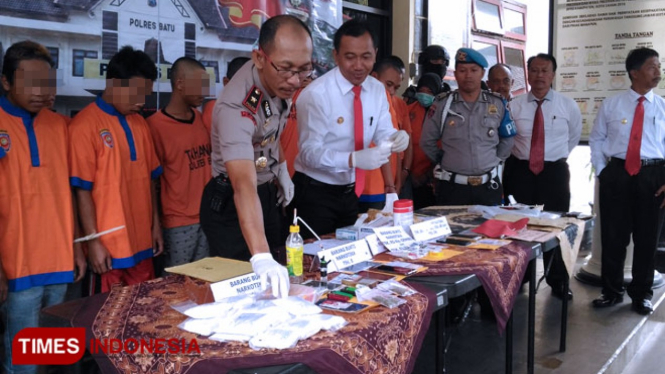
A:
[(204, 327), (380, 297), (396, 288), (306, 292)]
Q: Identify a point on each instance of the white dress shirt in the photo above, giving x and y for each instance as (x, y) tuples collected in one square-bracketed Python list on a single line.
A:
[(611, 129), (326, 126), (562, 120)]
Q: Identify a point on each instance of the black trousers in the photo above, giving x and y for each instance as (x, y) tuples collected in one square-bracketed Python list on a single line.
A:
[(423, 196), (628, 205), (219, 219), (449, 193), (324, 207), (550, 188)]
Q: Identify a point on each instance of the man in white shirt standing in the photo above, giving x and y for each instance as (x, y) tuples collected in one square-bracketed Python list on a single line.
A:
[(549, 126), (339, 115), (628, 154)]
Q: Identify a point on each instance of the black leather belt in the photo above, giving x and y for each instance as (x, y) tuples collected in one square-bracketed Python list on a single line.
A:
[(644, 162), (338, 188)]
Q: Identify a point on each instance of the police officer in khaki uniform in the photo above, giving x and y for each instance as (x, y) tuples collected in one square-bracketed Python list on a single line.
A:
[(475, 130), (240, 211)]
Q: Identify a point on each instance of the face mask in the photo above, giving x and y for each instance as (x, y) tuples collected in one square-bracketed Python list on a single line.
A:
[(425, 99)]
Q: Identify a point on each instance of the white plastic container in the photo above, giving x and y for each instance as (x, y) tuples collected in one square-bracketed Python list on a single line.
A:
[(403, 212)]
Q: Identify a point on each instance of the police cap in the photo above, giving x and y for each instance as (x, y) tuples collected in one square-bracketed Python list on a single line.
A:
[(468, 56)]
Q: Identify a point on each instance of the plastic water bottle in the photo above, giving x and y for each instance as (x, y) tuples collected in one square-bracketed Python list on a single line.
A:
[(294, 254)]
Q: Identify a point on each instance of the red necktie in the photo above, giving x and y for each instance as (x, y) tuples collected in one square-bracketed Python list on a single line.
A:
[(633, 161), (358, 136), (537, 155)]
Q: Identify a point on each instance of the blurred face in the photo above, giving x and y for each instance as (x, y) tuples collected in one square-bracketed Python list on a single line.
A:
[(355, 58), (390, 78), (468, 77), (34, 85), (193, 86), (287, 63), (647, 77), (500, 81), (541, 75), (128, 96)]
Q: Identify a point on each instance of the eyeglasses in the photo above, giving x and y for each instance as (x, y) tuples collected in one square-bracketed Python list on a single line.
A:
[(286, 73)]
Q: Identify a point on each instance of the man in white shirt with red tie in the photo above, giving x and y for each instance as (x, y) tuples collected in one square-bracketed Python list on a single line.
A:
[(549, 126), (339, 115), (628, 155)]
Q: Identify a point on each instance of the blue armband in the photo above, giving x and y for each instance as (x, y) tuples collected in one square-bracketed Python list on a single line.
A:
[(507, 127)]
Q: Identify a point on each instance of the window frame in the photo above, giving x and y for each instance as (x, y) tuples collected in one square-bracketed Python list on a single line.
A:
[(502, 5), (86, 53), (54, 56), (521, 47), (519, 8)]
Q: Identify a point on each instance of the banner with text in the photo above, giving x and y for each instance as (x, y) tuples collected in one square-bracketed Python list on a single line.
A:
[(591, 42)]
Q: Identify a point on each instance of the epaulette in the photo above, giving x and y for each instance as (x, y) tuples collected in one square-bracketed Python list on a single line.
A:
[(495, 94), (253, 99), (443, 95)]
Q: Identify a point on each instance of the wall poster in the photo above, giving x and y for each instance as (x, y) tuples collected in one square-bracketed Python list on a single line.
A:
[(591, 41)]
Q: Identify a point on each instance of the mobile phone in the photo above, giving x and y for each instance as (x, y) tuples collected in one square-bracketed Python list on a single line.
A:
[(395, 270), (468, 234), (456, 241)]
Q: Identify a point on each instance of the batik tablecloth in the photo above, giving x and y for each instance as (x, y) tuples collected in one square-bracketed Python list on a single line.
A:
[(380, 340)]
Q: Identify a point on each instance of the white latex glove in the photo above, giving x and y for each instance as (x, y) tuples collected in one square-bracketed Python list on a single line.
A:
[(370, 158), (400, 141), (268, 269), (390, 199), (286, 190)]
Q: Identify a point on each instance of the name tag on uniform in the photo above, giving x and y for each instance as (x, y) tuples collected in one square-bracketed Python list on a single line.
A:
[(266, 108)]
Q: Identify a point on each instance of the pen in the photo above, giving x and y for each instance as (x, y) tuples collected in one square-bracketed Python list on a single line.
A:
[(371, 119)]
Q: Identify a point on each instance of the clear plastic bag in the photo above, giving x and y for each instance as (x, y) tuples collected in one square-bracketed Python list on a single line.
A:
[(218, 309), (380, 297), (297, 306), (222, 337), (277, 338), (396, 288), (328, 322), (204, 326), (252, 323)]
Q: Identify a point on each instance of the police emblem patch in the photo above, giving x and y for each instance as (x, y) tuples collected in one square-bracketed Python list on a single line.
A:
[(5, 141), (107, 138), (492, 109)]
